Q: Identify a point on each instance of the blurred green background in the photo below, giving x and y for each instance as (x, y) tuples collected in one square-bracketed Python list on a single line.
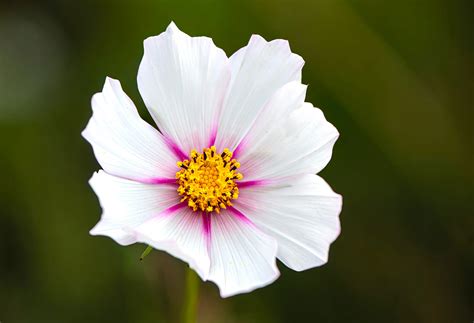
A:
[(395, 77)]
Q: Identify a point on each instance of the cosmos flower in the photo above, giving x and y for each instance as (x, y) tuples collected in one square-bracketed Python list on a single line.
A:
[(227, 183)]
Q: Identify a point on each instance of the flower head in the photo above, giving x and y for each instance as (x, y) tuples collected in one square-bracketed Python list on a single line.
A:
[(227, 183)]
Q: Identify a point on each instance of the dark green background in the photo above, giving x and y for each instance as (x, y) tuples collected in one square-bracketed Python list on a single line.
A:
[(395, 77)]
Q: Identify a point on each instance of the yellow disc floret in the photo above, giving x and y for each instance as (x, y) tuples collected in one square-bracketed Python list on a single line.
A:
[(207, 180)]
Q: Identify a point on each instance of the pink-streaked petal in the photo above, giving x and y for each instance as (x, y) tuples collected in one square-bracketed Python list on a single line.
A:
[(258, 71), (299, 144), (254, 183), (123, 143), (182, 234), (127, 204), (242, 256), (301, 214), (206, 227), (183, 81), (160, 180)]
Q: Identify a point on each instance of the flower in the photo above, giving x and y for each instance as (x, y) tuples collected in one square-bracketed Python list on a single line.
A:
[(228, 182)]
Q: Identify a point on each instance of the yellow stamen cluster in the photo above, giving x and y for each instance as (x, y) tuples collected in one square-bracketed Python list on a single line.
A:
[(207, 180)]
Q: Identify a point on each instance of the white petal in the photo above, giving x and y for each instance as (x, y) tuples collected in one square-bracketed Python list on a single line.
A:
[(182, 234), (127, 204), (242, 257), (300, 144), (283, 102), (258, 70), (303, 215), (183, 81), (123, 143)]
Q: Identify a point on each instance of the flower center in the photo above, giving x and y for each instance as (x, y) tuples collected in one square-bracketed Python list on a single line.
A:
[(207, 180)]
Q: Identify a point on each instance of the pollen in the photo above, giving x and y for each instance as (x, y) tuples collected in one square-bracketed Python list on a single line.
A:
[(207, 180)]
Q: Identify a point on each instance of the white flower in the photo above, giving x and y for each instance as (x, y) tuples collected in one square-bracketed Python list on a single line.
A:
[(228, 182)]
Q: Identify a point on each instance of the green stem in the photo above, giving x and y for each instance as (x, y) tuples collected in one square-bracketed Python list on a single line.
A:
[(192, 292), (146, 252)]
